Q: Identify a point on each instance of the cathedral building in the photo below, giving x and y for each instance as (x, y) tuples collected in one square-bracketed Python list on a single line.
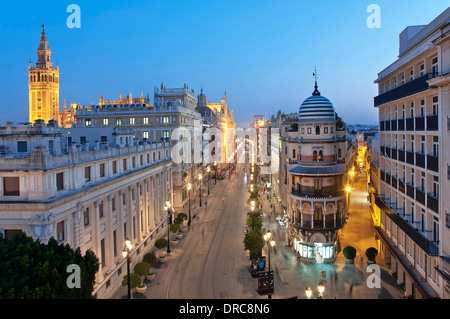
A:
[(314, 178), (43, 80), (218, 115)]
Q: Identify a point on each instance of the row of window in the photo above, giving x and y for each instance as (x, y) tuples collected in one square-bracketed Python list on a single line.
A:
[(44, 78), (393, 141), (409, 75), (317, 130), (131, 121), (11, 185), (396, 111), (406, 244)]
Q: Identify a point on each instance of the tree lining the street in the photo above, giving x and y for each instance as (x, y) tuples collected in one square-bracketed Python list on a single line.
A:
[(254, 240), (30, 269)]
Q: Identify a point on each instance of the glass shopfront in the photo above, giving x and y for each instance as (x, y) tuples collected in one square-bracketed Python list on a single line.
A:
[(317, 251)]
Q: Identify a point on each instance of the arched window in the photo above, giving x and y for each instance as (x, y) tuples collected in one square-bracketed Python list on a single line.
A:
[(293, 154), (315, 156), (318, 216), (320, 156), (169, 102), (317, 130), (339, 153)]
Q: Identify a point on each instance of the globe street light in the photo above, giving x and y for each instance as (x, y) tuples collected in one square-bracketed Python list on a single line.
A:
[(126, 254), (189, 191), (308, 292), (320, 288)]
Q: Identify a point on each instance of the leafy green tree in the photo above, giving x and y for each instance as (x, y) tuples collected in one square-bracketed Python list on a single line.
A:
[(175, 228), (150, 258), (254, 220), (254, 241), (142, 269), (161, 243), (30, 269), (135, 280)]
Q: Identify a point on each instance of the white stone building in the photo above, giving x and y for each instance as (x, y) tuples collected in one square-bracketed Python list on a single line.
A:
[(93, 196), (173, 109), (414, 112)]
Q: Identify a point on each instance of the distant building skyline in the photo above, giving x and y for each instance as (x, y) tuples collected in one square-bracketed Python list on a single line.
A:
[(262, 55)]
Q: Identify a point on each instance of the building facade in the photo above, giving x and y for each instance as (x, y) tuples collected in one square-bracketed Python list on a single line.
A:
[(413, 105), (91, 197), (314, 176), (173, 109)]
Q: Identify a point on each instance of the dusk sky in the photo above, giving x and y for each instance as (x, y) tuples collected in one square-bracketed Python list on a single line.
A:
[(262, 53)]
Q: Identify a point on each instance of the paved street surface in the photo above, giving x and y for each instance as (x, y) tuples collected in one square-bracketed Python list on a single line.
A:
[(210, 261)]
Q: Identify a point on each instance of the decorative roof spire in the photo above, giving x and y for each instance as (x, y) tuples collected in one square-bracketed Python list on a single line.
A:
[(315, 75)]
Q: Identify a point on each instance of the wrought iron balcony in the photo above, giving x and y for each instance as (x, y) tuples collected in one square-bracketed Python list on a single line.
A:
[(432, 123), (420, 196), (401, 155), (410, 124), (410, 157), (432, 203), (420, 123), (401, 125), (324, 192), (412, 87), (420, 160), (433, 163), (410, 190), (423, 239)]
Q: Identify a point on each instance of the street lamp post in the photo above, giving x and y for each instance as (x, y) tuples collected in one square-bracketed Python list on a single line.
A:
[(126, 254), (189, 191), (200, 194), (215, 173), (169, 215), (270, 243), (208, 170)]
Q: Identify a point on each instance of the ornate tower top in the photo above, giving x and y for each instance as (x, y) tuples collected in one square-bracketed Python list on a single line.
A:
[(43, 52), (315, 75)]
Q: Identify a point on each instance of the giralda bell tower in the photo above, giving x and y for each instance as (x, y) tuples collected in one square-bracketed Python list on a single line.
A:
[(43, 80)]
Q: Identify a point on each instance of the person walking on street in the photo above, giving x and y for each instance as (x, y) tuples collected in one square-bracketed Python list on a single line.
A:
[(206, 204)]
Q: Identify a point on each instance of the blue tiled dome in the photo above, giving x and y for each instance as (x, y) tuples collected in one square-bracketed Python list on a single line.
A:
[(316, 107)]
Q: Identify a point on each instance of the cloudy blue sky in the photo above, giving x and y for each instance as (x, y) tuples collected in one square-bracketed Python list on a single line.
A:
[(262, 53)]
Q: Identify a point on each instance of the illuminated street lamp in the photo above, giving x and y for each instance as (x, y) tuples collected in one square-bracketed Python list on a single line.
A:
[(215, 173), (200, 194), (270, 244), (208, 170), (189, 191), (308, 292), (320, 288), (169, 215), (126, 254)]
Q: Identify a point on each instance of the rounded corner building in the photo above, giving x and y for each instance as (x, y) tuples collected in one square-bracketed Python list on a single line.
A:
[(314, 154)]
